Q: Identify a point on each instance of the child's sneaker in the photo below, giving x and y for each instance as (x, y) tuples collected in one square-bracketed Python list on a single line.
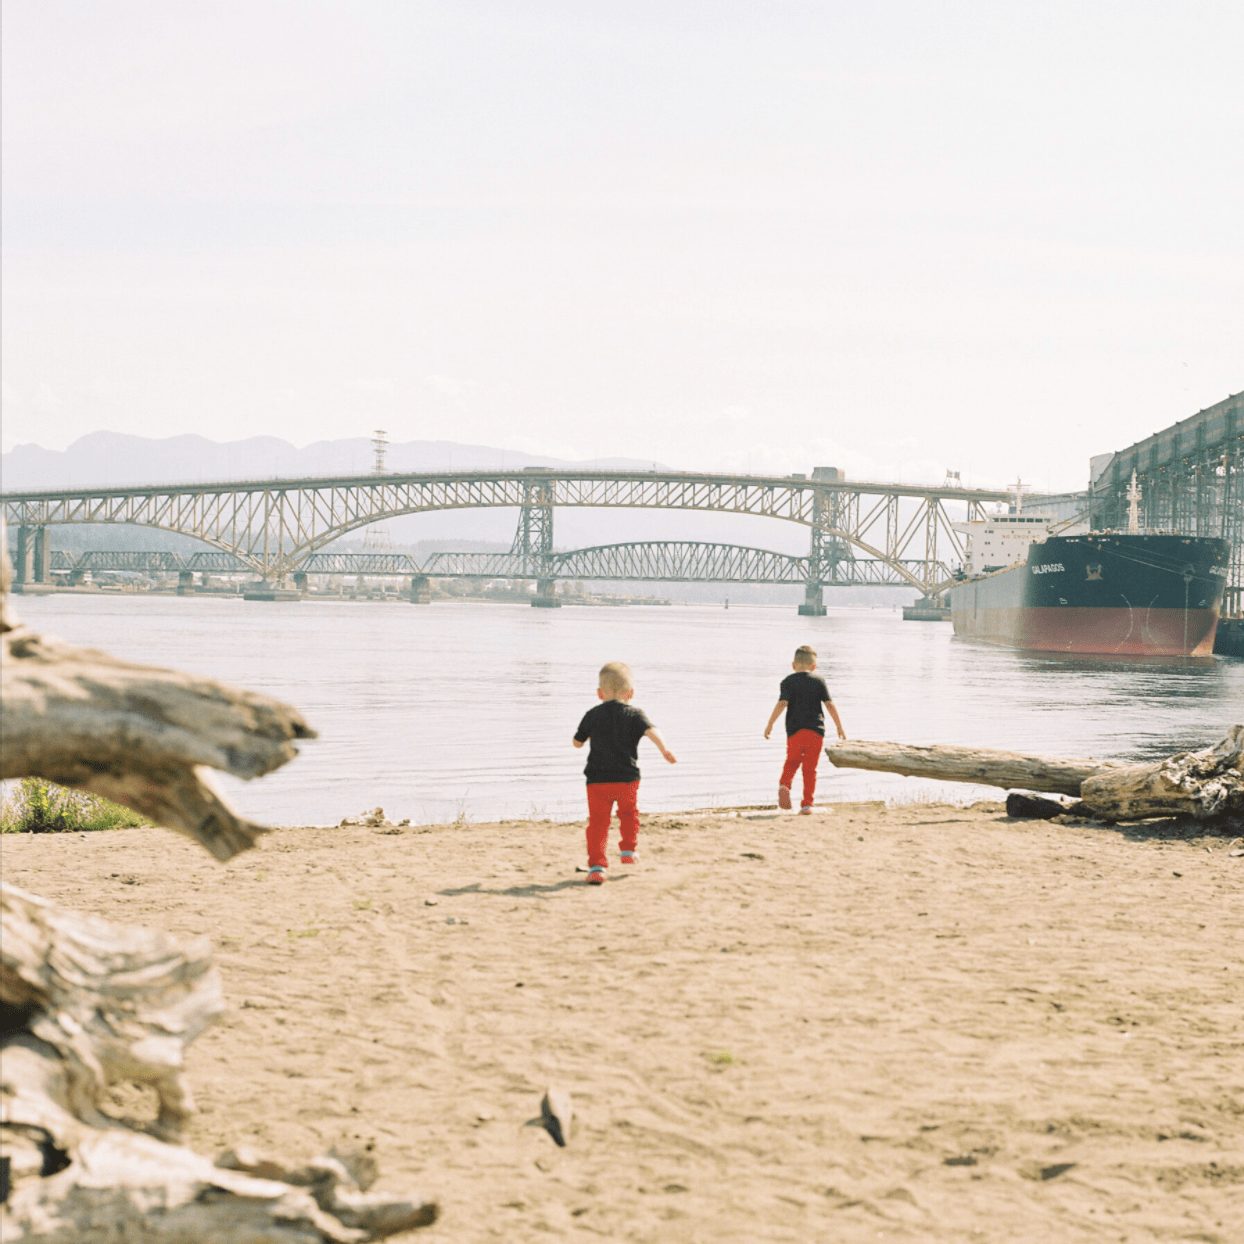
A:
[(596, 875), (628, 857), (784, 797), (806, 810)]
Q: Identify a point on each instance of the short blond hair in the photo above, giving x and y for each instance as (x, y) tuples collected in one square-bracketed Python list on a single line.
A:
[(615, 678), (805, 656)]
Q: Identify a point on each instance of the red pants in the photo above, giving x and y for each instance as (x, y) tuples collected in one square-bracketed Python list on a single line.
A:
[(803, 749), (601, 796)]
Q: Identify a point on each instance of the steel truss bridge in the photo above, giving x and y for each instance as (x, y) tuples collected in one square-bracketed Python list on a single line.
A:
[(658, 561), (859, 533), (1191, 478)]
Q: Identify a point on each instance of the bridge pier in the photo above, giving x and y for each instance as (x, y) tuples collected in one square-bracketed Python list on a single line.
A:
[(420, 589), (300, 581), (185, 583), (42, 556), (546, 595), (813, 605), (23, 559)]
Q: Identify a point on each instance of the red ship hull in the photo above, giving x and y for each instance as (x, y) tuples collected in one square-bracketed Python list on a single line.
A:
[(1125, 632)]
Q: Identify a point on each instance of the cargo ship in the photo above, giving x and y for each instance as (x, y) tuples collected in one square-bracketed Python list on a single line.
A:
[(1131, 595), (1127, 593)]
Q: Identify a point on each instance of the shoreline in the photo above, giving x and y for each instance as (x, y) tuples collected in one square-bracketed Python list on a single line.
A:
[(916, 1022)]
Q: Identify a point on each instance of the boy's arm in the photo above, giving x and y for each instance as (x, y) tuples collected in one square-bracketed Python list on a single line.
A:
[(651, 733), (579, 742), (778, 709), (833, 712)]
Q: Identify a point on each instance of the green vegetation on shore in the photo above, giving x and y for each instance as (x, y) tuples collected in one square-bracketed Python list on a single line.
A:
[(35, 806)]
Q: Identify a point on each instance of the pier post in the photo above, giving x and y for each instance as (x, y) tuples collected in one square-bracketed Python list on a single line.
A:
[(300, 581), (420, 590), (546, 595), (23, 561), (42, 567), (827, 547), (185, 582), (533, 541), (813, 604)]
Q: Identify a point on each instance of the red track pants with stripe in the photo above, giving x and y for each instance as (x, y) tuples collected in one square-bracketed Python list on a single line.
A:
[(601, 796), (803, 750)]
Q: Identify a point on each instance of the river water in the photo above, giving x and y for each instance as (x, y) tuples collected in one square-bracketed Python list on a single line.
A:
[(467, 709)]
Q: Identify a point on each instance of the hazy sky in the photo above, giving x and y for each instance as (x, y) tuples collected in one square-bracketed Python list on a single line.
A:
[(894, 237)]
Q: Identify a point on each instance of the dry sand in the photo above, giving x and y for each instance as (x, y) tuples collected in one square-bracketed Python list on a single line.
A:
[(922, 1023)]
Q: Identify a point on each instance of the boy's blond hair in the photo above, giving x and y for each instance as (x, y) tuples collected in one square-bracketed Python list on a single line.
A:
[(615, 678), (805, 656)]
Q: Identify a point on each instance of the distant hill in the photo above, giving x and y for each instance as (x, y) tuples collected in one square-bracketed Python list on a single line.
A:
[(111, 458)]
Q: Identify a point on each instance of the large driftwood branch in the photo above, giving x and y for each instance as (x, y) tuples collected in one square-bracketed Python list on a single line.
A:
[(1206, 785), (88, 1003), (981, 765), (137, 735)]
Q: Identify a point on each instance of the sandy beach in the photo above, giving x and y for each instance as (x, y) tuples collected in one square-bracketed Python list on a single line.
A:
[(912, 1023)]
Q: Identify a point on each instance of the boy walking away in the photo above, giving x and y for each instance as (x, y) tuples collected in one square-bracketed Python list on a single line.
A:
[(614, 729), (800, 697)]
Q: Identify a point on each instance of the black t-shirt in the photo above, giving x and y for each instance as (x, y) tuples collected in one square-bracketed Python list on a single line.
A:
[(804, 694), (614, 729)]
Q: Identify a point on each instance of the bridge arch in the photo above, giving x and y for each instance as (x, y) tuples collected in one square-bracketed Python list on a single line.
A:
[(274, 525)]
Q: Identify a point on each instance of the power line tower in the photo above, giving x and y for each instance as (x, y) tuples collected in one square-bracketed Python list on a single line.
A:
[(379, 446)]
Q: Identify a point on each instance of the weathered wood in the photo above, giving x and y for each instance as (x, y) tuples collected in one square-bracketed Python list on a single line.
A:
[(1204, 784), (1207, 785), (136, 735), (116, 1003), (981, 765), (90, 1003)]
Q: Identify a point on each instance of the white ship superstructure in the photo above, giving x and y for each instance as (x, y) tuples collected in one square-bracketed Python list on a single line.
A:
[(995, 543)]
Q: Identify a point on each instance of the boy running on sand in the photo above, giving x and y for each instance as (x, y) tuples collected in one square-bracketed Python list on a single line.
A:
[(800, 697), (614, 729)]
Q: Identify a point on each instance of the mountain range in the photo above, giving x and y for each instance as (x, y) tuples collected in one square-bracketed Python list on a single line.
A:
[(113, 459), (103, 459)]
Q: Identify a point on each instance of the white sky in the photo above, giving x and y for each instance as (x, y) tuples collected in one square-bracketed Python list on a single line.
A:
[(893, 237)]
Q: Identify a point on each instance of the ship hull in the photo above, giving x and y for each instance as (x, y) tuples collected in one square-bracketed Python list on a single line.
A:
[(1127, 595)]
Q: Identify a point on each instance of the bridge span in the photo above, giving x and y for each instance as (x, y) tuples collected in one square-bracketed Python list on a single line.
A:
[(653, 561), (859, 532)]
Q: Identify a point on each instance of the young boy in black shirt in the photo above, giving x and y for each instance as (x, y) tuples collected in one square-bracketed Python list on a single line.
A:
[(614, 729), (800, 697)]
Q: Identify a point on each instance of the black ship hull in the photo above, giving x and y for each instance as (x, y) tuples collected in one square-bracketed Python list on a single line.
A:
[(1131, 595)]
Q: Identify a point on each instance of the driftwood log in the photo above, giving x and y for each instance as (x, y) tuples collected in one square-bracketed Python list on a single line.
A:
[(1207, 785), (980, 765), (85, 1003), (137, 735)]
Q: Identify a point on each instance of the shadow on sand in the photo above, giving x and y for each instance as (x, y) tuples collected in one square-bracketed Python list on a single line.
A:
[(524, 891)]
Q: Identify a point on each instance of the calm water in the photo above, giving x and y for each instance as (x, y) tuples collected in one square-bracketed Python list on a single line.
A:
[(467, 709)]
